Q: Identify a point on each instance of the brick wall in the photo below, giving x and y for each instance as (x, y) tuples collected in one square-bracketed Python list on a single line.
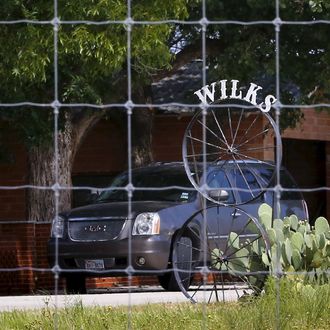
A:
[(315, 126)]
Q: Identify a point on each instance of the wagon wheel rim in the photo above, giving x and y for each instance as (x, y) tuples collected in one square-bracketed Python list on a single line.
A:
[(231, 264), (235, 136)]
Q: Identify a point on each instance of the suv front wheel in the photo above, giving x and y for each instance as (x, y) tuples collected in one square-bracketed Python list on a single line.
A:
[(168, 282), (182, 250)]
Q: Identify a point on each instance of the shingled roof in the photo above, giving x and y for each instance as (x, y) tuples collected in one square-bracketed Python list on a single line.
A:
[(179, 88)]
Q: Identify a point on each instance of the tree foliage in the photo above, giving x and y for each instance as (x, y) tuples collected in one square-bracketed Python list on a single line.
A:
[(92, 58)]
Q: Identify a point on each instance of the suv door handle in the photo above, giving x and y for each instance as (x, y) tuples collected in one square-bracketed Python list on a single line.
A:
[(236, 214)]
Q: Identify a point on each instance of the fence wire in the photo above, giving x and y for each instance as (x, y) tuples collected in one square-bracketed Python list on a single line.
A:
[(129, 106)]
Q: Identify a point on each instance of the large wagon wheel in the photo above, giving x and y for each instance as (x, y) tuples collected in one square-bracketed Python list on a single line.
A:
[(216, 265), (231, 135)]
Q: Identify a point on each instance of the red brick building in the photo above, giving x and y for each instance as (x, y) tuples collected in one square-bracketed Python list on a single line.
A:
[(306, 153)]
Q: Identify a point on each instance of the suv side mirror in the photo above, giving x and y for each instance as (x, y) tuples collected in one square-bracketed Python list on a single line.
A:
[(218, 194)]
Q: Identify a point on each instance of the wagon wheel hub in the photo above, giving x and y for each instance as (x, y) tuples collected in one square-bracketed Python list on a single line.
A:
[(231, 150), (222, 259)]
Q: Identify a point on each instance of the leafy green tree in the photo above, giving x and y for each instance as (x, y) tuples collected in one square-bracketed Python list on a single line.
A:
[(93, 67)]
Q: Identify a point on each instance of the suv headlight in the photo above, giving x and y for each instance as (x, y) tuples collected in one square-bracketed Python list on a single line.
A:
[(57, 227), (146, 224)]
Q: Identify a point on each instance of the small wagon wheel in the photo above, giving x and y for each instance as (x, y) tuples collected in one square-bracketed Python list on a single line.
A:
[(236, 135), (211, 267)]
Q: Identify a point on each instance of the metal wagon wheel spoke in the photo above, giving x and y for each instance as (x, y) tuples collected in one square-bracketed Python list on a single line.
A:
[(232, 263), (235, 136)]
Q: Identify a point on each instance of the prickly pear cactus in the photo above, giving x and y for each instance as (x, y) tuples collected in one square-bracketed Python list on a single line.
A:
[(296, 246), (295, 249)]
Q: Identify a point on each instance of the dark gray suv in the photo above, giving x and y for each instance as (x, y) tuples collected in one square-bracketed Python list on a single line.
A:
[(105, 237)]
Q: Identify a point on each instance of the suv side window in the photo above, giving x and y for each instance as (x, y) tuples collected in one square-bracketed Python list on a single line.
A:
[(263, 175), (246, 183)]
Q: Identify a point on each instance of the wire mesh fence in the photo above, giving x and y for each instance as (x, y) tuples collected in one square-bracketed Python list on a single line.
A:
[(219, 241)]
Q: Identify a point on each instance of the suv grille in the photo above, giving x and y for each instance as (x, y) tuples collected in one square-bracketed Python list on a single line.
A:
[(96, 230)]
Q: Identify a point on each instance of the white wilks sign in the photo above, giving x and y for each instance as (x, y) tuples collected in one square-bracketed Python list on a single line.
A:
[(219, 91)]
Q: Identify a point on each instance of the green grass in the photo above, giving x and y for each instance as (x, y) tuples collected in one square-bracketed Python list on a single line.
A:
[(298, 309)]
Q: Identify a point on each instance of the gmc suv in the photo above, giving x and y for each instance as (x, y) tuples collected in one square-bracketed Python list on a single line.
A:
[(115, 232)]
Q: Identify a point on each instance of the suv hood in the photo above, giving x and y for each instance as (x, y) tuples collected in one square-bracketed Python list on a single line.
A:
[(117, 209)]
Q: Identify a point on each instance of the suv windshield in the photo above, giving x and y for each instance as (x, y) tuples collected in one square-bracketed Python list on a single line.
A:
[(158, 187)]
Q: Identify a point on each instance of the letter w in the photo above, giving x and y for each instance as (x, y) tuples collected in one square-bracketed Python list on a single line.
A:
[(206, 93)]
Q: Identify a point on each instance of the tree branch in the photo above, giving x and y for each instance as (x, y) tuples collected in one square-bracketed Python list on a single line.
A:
[(82, 126)]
